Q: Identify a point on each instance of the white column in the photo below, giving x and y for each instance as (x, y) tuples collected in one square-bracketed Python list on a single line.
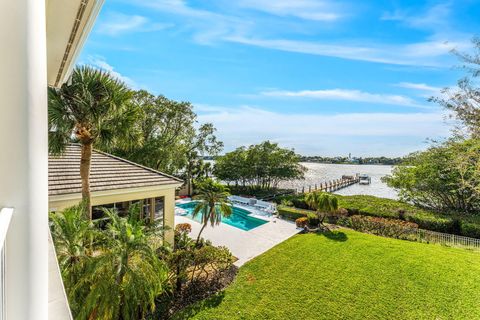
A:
[(24, 155)]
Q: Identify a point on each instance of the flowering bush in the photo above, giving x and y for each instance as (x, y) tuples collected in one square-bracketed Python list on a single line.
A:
[(183, 228), (380, 226), (301, 222)]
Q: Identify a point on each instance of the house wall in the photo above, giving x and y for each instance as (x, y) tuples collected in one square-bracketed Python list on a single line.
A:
[(24, 156), (60, 202)]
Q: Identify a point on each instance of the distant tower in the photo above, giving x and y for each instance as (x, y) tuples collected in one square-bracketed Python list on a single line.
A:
[(350, 156)]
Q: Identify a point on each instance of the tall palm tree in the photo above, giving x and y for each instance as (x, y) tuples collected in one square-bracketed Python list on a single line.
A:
[(213, 204), (323, 203), (126, 276), (91, 108)]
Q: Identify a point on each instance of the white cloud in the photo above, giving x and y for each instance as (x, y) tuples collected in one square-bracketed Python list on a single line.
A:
[(418, 86), (398, 133), (206, 26), (346, 95), (305, 9), (209, 27), (422, 53), (101, 63), (118, 23), (433, 18)]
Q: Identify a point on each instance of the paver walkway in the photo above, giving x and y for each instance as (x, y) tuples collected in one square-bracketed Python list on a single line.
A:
[(244, 245)]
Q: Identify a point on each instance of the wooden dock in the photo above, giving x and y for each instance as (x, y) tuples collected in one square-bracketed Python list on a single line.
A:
[(331, 186)]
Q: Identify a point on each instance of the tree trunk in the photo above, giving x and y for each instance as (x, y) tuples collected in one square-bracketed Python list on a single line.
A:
[(85, 163), (200, 233)]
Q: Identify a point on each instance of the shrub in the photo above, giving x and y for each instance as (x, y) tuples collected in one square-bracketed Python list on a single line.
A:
[(392, 228), (454, 223), (470, 230), (301, 222), (313, 220), (183, 228), (210, 261), (286, 202), (300, 203), (291, 214)]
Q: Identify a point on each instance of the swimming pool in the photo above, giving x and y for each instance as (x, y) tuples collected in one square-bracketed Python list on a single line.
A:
[(240, 218)]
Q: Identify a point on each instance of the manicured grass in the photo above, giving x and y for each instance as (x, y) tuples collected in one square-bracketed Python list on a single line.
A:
[(350, 275)]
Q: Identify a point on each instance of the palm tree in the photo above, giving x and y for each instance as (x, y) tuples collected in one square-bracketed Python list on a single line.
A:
[(92, 109), (126, 276), (73, 237), (323, 203), (213, 204)]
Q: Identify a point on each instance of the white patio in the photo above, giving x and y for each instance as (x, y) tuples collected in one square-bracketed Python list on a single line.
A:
[(245, 245)]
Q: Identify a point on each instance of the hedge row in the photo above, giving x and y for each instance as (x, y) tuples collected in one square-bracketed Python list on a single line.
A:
[(386, 208)]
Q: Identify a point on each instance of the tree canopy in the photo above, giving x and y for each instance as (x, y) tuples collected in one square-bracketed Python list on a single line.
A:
[(445, 177), (263, 165), (168, 137)]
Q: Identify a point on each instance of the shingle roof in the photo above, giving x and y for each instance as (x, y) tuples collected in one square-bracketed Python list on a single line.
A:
[(107, 173)]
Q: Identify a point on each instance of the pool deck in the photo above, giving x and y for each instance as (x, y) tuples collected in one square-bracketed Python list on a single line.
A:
[(245, 245)]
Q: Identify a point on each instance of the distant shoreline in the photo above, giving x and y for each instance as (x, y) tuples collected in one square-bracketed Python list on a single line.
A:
[(350, 163)]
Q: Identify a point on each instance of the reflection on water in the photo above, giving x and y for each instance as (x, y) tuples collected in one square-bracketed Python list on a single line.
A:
[(320, 172)]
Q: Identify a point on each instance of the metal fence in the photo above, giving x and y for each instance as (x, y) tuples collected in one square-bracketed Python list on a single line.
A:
[(447, 239)]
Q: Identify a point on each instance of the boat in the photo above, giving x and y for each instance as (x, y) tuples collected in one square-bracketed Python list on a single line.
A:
[(364, 179)]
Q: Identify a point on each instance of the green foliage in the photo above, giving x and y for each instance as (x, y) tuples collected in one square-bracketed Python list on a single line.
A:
[(169, 139), (110, 273), (323, 203), (262, 166), (388, 208), (92, 107), (74, 239), (212, 205), (392, 228), (313, 220), (208, 261), (446, 177), (291, 214), (350, 275)]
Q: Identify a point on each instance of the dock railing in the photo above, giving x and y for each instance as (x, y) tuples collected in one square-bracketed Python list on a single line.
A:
[(330, 186)]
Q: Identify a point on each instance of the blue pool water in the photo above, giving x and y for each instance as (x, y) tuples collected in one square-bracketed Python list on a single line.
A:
[(239, 218)]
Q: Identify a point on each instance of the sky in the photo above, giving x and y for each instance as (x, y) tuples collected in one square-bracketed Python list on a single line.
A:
[(323, 77)]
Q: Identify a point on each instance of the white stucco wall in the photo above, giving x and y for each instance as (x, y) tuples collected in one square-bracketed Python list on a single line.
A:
[(24, 156)]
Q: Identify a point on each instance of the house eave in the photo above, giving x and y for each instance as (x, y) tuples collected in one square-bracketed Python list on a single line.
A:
[(68, 26)]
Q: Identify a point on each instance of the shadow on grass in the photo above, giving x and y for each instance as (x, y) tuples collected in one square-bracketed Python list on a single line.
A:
[(197, 307), (334, 235)]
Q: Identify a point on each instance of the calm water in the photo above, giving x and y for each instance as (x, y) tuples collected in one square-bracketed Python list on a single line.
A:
[(239, 218), (319, 172)]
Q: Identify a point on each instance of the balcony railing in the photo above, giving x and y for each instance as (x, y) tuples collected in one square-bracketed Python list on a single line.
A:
[(5, 217)]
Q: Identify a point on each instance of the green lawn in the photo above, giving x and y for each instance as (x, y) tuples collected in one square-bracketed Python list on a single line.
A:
[(350, 275)]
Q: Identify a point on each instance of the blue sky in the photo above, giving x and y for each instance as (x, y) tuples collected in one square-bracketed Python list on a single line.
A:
[(323, 77)]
